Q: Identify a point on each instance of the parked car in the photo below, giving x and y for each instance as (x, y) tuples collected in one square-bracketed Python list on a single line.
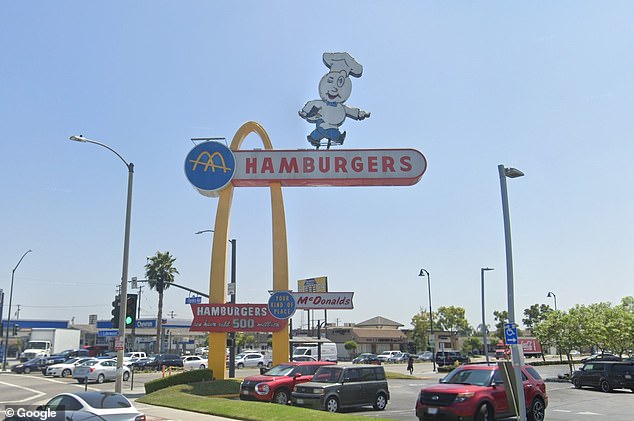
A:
[(141, 363), (606, 356), (366, 358), (277, 383), (105, 406), (425, 356), (66, 368), (400, 358), (164, 360), (477, 391), (450, 357), (250, 359), (386, 355), (99, 371), (34, 364), (194, 362), (335, 387), (304, 358), (605, 375)]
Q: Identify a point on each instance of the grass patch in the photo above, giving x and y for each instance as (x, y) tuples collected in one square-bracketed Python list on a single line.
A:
[(400, 376), (199, 397)]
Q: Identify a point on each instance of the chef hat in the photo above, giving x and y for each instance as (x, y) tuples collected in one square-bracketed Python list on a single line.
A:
[(337, 62)]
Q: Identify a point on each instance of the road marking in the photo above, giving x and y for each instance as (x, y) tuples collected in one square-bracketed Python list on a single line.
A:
[(37, 394)]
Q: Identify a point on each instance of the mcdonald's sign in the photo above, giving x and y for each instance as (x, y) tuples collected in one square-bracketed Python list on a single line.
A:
[(210, 166)]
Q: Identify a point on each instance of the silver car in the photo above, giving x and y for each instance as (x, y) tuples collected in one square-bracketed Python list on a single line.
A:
[(90, 405), (99, 371)]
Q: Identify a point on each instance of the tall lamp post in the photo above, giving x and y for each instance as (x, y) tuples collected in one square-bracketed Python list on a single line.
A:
[(6, 336), (552, 294), (484, 326), (424, 272), (515, 350), (126, 252), (232, 335)]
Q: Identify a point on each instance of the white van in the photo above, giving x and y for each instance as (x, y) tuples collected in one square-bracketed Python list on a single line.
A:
[(328, 351)]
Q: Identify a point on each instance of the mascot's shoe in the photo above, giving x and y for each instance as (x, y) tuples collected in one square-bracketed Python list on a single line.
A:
[(340, 139), (312, 141)]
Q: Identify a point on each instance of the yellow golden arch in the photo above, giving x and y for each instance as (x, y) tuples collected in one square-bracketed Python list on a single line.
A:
[(218, 275)]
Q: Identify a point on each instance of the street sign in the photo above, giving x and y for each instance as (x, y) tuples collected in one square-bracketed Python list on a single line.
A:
[(510, 333), (193, 300), (118, 343), (109, 332)]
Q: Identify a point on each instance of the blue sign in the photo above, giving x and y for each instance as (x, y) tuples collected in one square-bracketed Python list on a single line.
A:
[(282, 305), (510, 333), (193, 300), (110, 332), (210, 166)]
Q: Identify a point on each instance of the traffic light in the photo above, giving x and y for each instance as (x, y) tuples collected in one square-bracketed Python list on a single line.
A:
[(16, 328), (130, 310), (115, 312)]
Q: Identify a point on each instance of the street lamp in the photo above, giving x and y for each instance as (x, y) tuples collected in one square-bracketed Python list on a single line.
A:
[(484, 326), (6, 337), (423, 272), (232, 335), (552, 294), (515, 350), (126, 252)]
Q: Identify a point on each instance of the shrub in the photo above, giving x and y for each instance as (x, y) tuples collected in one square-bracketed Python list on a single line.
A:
[(185, 377)]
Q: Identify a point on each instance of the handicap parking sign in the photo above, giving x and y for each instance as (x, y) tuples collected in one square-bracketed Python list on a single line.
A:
[(510, 333)]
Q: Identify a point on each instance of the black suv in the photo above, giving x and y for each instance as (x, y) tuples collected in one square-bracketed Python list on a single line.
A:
[(605, 375), (449, 358), (336, 387)]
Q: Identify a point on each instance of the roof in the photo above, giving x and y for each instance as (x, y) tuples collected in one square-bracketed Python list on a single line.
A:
[(379, 322)]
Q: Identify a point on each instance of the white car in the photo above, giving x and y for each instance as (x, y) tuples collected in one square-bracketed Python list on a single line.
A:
[(93, 405), (250, 359), (194, 362), (386, 355), (99, 371), (66, 368)]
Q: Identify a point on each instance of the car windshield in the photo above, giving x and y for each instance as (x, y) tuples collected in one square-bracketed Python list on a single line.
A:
[(328, 375), (105, 400), (465, 376), (281, 370), (71, 360)]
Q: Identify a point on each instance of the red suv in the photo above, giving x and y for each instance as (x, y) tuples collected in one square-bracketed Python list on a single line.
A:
[(276, 384), (476, 392)]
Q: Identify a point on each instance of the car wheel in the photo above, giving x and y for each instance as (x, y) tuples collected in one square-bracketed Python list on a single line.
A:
[(332, 404), (65, 372), (260, 365), (27, 370), (80, 380), (281, 397), (380, 402), (101, 378), (605, 386), (576, 382), (126, 376), (202, 366), (537, 411), (484, 413), (240, 365)]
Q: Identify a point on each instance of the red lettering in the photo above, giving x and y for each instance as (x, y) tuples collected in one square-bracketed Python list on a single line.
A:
[(308, 164), (324, 163), (252, 165), (357, 164), (302, 300), (373, 163), (289, 166), (388, 164), (267, 165), (406, 164), (340, 164)]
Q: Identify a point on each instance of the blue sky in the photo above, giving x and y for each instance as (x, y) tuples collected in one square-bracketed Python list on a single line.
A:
[(546, 87)]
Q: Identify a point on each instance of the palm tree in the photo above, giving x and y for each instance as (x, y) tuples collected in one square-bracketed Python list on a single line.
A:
[(160, 271)]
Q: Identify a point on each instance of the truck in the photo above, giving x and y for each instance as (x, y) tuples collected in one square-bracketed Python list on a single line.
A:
[(530, 346), (44, 342)]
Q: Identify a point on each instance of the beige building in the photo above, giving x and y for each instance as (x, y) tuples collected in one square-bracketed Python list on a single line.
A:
[(375, 335)]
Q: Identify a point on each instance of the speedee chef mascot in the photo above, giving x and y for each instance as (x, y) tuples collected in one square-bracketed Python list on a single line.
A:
[(329, 113)]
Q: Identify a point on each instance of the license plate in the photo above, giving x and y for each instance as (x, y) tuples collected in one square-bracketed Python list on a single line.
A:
[(299, 401), (628, 376), (245, 392), (432, 411)]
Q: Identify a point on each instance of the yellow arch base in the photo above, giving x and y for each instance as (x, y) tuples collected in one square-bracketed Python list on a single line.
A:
[(218, 275)]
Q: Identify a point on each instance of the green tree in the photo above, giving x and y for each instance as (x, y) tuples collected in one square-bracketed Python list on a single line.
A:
[(160, 272), (453, 319), (471, 344), (535, 314), (501, 317), (420, 332), (351, 347)]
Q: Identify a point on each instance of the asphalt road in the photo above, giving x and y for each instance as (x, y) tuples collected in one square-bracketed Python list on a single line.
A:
[(565, 402)]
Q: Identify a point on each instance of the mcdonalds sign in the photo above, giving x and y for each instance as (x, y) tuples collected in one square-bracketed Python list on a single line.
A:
[(234, 318)]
